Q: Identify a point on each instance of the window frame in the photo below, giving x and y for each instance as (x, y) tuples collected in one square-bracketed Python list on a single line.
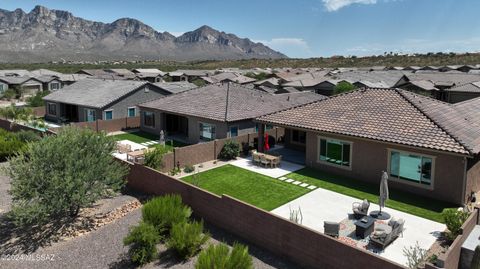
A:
[(134, 112), (105, 114), (410, 182), (94, 114), (55, 83), (200, 131), (345, 167), (48, 109), (144, 117), (230, 130)]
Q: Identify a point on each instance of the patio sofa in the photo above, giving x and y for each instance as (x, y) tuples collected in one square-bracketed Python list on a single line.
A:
[(360, 209), (385, 234)]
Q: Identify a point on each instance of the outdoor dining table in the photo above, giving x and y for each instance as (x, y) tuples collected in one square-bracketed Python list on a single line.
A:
[(270, 158), (135, 155)]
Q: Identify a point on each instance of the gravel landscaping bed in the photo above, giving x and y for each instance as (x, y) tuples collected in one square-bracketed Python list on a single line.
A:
[(5, 198), (103, 248)]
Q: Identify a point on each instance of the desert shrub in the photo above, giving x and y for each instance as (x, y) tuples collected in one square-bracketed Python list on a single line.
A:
[(75, 169), (230, 150), (28, 136), (9, 144), (163, 212), (219, 256), (415, 255), (142, 240), (154, 158), (342, 87), (189, 169), (454, 220), (9, 94), (186, 238)]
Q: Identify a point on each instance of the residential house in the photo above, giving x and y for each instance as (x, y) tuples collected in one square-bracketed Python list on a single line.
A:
[(195, 74), (149, 74), (50, 83), (229, 77), (92, 99), (178, 76), (28, 86), (215, 111), (463, 92), (428, 147)]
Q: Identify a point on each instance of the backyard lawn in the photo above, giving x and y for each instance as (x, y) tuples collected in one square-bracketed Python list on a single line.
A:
[(406, 202), (142, 137), (253, 188)]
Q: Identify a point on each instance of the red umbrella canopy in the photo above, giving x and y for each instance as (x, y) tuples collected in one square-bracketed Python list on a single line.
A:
[(266, 146)]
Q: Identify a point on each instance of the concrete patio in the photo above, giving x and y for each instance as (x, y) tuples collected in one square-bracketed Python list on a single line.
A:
[(284, 169), (323, 205), (134, 146)]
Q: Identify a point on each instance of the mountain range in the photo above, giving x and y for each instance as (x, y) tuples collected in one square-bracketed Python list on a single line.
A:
[(54, 35)]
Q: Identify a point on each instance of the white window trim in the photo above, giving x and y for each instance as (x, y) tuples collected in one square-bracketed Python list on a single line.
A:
[(94, 113), (48, 109), (407, 182), (105, 114), (332, 164), (142, 118), (230, 131), (134, 109), (291, 137), (211, 124), (55, 82)]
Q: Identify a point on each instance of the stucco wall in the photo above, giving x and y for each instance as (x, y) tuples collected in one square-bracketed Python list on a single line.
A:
[(370, 158)]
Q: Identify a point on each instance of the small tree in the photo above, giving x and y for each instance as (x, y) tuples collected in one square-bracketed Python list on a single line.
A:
[(142, 240), (230, 150), (199, 82), (37, 99), (342, 87), (56, 176), (154, 159), (415, 255), (454, 220)]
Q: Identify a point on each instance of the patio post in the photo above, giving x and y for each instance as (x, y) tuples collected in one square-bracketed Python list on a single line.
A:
[(261, 137)]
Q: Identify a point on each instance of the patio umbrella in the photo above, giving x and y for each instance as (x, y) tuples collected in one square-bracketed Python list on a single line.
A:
[(266, 146), (383, 197)]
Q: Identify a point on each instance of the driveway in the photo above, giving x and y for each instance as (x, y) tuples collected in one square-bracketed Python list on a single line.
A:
[(323, 205)]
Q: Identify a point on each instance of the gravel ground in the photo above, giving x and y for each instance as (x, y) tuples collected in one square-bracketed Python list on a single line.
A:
[(5, 198), (103, 248)]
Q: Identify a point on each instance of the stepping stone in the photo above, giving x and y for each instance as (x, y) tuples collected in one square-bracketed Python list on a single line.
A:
[(154, 142), (311, 187), (304, 185), (289, 180), (296, 182), (282, 178)]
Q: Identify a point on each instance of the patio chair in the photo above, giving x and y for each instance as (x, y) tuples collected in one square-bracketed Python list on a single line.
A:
[(360, 209), (264, 161), (255, 158), (384, 234), (331, 228)]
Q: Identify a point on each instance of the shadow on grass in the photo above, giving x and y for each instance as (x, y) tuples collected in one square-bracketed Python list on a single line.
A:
[(373, 189)]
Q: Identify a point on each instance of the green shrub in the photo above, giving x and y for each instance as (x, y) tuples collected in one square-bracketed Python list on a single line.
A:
[(189, 169), (142, 240), (154, 159), (230, 150), (9, 144), (343, 87), (219, 257), (163, 212), (28, 136), (186, 238), (37, 99), (454, 220)]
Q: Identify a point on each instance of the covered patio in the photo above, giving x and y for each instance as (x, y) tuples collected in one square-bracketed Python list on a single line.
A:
[(322, 205)]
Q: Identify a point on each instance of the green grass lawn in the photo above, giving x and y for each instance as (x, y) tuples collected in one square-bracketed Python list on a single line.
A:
[(142, 137), (253, 188), (402, 201)]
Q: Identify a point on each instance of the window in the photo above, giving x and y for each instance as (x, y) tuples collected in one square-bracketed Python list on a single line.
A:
[(299, 136), (108, 114), (2, 87), (90, 115), (335, 151), (233, 131), (411, 167), (207, 131), (131, 112), (268, 127), (54, 86), (52, 109), (149, 119)]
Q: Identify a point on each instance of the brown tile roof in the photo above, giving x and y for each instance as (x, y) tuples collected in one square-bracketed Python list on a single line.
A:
[(390, 115), (212, 102)]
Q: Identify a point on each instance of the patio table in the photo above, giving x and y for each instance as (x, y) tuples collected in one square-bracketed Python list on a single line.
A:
[(270, 158), (364, 229)]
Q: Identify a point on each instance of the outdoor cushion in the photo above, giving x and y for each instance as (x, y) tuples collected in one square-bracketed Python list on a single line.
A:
[(392, 222), (365, 204), (379, 234)]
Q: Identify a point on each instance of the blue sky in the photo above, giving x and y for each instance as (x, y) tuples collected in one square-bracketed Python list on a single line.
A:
[(302, 28)]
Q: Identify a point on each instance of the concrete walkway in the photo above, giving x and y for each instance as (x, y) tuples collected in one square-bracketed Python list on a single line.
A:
[(284, 169), (323, 205)]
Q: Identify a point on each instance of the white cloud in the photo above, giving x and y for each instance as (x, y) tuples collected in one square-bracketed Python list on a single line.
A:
[(291, 46), (334, 5)]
